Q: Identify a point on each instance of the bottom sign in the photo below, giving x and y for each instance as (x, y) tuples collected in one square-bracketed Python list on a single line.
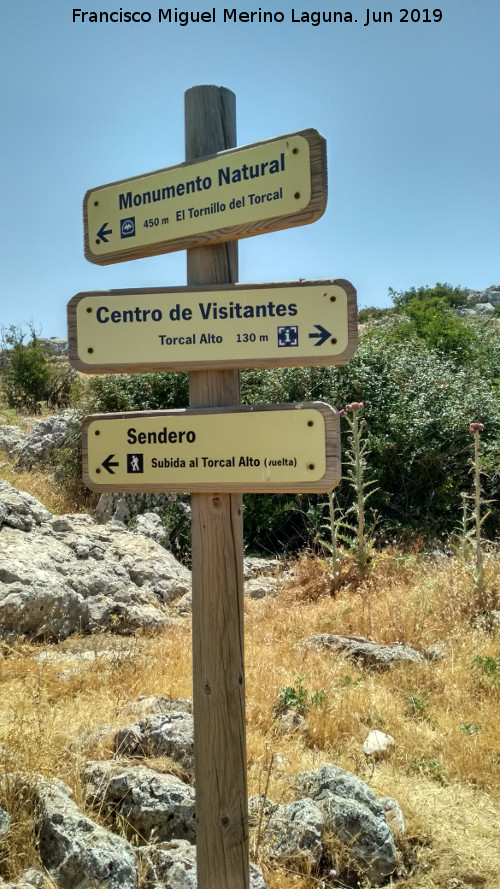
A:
[(268, 448)]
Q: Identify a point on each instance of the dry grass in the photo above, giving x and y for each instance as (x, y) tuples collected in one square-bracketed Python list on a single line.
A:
[(444, 715), (59, 499)]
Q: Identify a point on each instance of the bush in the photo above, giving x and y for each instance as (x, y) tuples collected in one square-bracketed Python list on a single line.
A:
[(25, 370), (450, 296), (137, 392), (29, 377), (418, 407)]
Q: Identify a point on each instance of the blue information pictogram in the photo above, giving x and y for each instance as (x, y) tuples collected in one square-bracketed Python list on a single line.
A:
[(127, 227), (288, 336)]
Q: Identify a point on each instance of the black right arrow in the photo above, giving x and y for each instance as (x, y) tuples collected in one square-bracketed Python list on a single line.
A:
[(108, 464), (103, 231), (322, 336)]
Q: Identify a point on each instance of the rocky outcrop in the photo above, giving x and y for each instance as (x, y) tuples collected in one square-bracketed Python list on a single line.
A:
[(60, 574), (173, 866), (56, 346), (20, 510), (76, 851), (146, 802), (11, 438), (170, 734), (352, 812), (295, 830), (365, 651), (125, 507), (46, 437), (481, 303), (155, 811), (481, 297)]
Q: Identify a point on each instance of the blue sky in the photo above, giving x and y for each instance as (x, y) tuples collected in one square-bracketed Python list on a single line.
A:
[(409, 110)]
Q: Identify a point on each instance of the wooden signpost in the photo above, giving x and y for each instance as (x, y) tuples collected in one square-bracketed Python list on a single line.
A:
[(187, 328), (231, 194), (216, 449)]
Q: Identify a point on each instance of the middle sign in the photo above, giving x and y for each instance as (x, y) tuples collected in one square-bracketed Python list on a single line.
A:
[(185, 328)]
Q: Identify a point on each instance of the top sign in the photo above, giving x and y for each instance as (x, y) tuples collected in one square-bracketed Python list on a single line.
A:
[(246, 191)]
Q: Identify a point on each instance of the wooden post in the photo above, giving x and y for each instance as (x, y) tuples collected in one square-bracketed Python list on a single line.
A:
[(217, 562)]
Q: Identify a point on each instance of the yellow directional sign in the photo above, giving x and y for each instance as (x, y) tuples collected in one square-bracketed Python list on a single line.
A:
[(246, 191), (185, 328), (269, 448)]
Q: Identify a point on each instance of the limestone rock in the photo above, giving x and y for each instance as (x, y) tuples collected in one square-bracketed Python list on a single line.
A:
[(11, 438), (45, 438), (378, 744), (125, 507), (353, 813), (169, 734), (290, 721), (32, 879), (295, 829), (490, 296), (156, 704), (152, 804), (369, 653), (60, 574), (173, 866), (55, 345), (74, 849), (19, 509), (260, 587), (149, 524)]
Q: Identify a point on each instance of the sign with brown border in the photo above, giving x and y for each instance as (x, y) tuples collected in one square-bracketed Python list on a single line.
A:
[(186, 328), (267, 448), (245, 191)]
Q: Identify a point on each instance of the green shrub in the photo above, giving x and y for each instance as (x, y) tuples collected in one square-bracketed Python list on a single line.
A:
[(445, 293), (137, 392), (28, 375), (25, 369)]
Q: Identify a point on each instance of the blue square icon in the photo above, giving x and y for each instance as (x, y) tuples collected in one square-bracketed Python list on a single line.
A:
[(288, 336), (127, 227)]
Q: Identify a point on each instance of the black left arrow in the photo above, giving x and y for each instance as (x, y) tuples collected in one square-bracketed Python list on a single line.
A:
[(321, 336), (103, 231), (108, 464)]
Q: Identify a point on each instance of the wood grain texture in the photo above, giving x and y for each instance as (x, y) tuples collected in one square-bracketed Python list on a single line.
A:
[(284, 359), (222, 845), (313, 211)]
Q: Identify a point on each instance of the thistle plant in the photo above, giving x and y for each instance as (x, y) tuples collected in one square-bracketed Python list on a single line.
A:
[(478, 519), (355, 533), (334, 527), (463, 531)]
